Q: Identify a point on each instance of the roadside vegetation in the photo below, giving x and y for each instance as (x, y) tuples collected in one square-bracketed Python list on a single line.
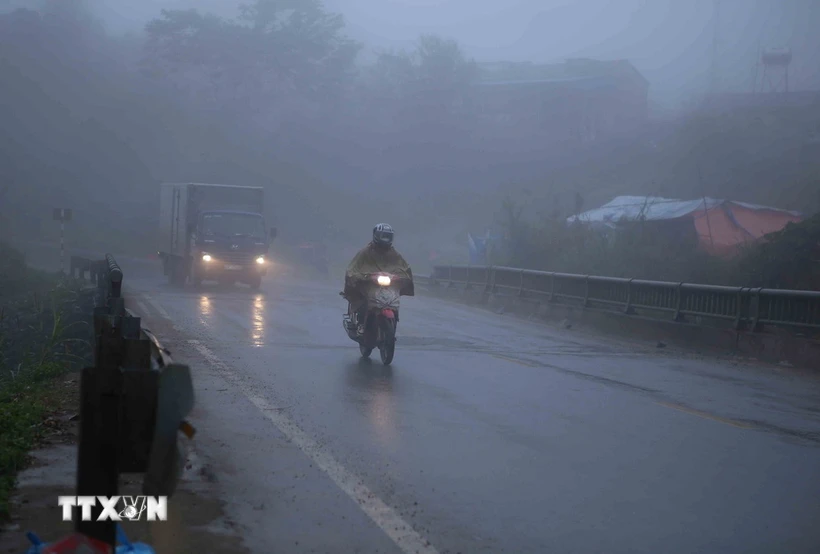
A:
[(43, 335)]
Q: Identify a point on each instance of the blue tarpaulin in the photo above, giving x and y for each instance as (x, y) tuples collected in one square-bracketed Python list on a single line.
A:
[(478, 249)]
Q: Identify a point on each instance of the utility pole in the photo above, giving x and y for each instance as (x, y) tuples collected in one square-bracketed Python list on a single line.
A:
[(62, 215)]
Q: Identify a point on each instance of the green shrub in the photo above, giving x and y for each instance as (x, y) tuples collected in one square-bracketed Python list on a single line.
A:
[(40, 338)]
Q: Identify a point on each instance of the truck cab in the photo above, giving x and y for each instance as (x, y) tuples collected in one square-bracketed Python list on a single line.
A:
[(230, 246)]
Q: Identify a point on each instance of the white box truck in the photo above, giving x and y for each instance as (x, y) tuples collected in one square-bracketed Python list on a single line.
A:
[(213, 232)]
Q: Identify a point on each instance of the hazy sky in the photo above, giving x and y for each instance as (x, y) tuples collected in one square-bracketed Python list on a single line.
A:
[(670, 41)]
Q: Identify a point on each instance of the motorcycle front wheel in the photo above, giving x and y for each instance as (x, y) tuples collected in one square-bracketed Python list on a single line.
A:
[(387, 348), (365, 351)]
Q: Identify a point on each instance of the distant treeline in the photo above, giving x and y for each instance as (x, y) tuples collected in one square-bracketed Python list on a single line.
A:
[(277, 97)]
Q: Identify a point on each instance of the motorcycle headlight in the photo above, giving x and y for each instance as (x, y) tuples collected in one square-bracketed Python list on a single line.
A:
[(206, 258), (383, 280), (260, 260)]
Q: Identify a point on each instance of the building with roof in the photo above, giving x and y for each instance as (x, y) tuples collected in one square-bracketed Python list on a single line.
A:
[(581, 99)]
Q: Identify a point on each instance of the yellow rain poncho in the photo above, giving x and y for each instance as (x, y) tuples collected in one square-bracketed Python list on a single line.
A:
[(370, 260)]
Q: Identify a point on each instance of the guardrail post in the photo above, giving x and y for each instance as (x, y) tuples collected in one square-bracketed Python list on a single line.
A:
[(139, 391), (679, 303), (628, 309), (449, 276), (521, 283), (96, 459), (487, 291), (754, 310), (586, 291), (740, 320), (114, 277), (552, 287), (468, 285)]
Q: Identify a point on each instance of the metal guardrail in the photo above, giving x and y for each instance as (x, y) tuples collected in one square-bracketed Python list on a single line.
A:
[(746, 308), (133, 402)]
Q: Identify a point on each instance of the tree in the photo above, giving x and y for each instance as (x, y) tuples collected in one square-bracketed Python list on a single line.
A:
[(789, 258), (275, 53), (413, 108), (428, 86), (443, 68)]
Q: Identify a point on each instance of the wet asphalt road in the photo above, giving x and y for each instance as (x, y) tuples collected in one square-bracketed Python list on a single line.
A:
[(487, 434)]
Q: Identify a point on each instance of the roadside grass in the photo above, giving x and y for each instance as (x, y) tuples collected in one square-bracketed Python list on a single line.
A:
[(43, 335), (23, 405)]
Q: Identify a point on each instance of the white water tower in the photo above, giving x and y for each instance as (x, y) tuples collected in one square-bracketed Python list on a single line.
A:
[(775, 77)]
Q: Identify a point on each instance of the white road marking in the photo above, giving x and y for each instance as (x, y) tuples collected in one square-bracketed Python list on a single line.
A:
[(142, 308), (399, 531), (160, 310)]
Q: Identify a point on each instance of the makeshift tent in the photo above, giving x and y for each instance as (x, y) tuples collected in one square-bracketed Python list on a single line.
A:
[(721, 226)]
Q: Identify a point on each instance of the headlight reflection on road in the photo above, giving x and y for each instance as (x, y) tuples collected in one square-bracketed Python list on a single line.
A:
[(204, 306), (373, 391), (382, 411), (205, 310), (258, 324)]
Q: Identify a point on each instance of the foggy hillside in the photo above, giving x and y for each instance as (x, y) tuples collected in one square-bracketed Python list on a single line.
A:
[(98, 109), (671, 42)]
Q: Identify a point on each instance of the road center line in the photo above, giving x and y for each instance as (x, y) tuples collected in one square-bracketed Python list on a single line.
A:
[(705, 415), (397, 529)]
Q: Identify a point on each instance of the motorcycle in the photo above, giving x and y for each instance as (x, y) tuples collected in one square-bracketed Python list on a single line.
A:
[(382, 292)]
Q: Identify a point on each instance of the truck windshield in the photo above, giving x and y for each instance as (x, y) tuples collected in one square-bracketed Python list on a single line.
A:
[(233, 225)]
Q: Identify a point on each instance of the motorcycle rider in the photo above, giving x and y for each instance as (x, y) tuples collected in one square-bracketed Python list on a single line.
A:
[(379, 256)]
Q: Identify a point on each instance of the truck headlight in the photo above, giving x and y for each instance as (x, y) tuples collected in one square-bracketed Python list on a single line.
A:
[(260, 260), (206, 258)]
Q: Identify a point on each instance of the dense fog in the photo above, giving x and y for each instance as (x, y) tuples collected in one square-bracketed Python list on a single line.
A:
[(359, 111)]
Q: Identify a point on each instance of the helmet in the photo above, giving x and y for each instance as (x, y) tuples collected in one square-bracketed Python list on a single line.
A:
[(383, 235)]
